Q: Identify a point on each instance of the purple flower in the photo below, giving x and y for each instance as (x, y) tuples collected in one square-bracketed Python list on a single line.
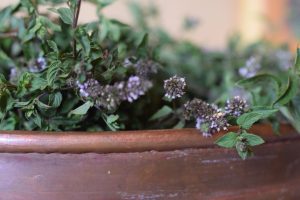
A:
[(252, 66), (90, 88), (198, 108), (109, 98), (212, 124), (134, 88), (174, 87), (144, 68), (39, 65), (236, 106), (209, 118)]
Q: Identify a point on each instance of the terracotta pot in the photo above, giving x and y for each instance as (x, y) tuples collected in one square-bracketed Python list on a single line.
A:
[(163, 164)]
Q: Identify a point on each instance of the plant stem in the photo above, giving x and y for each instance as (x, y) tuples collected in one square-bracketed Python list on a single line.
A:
[(8, 35), (74, 25), (174, 105)]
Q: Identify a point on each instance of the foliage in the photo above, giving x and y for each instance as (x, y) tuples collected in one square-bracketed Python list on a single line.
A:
[(59, 75)]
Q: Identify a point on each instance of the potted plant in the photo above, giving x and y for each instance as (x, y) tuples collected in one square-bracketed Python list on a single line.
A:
[(79, 80)]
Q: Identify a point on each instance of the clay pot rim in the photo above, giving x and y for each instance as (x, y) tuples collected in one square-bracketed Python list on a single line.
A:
[(124, 141)]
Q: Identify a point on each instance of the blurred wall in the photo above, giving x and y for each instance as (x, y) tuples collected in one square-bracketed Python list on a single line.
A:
[(218, 19)]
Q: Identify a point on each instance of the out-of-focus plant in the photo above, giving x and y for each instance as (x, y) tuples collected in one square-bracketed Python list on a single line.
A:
[(268, 91)]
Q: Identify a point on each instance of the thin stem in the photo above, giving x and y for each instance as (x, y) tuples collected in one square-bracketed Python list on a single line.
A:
[(74, 25), (8, 35), (174, 105)]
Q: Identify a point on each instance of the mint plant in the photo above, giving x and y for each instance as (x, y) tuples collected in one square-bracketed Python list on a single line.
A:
[(285, 94), (60, 75), (57, 74)]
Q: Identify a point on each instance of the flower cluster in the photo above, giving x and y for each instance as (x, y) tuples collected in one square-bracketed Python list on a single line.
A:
[(209, 118), (36, 65), (110, 97), (197, 108), (174, 87), (252, 66), (143, 67), (134, 88), (236, 106), (91, 88), (39, 65)]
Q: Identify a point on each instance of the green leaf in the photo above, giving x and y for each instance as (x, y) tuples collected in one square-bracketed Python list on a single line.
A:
[(83, 109), (83, 38), (4, 58), (112, 118), (252, 139), (41, 105), (102, 3), (5, 14), (289, 92), (21, 104), (228, 140), (115, 32), (66, 15), (38, 83), (260, 79), (242, 148), (104, 28), (8, 124), (141, 40), (111, 121), (31, 32), (29, 5), (24, 80), (163, 112), (248, 119), (179, 125), (49, 24), (52, 72), (53, 46), (244, 154), (57, 99), (4, 96), (37, 119), (68, 104)]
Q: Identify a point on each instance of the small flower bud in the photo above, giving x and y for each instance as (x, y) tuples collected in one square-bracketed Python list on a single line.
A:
[(174, 87), (236, 106)]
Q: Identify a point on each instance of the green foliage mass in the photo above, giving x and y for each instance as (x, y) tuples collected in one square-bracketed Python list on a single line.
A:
[(45, 55)]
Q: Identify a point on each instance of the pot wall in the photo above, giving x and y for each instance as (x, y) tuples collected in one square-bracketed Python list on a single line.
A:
[(205, 172)]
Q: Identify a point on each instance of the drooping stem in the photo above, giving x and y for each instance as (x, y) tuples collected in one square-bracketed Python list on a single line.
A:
[(74, 25)]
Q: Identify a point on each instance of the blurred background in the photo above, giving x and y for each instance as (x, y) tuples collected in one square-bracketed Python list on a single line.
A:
[(214, 21)]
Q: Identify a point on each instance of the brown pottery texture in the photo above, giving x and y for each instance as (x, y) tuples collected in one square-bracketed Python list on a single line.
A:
[(146, 165)]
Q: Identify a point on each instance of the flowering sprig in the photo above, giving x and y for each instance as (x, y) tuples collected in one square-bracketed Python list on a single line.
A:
[(236, 106), (110, 97), (209, 118), (174, 87)]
